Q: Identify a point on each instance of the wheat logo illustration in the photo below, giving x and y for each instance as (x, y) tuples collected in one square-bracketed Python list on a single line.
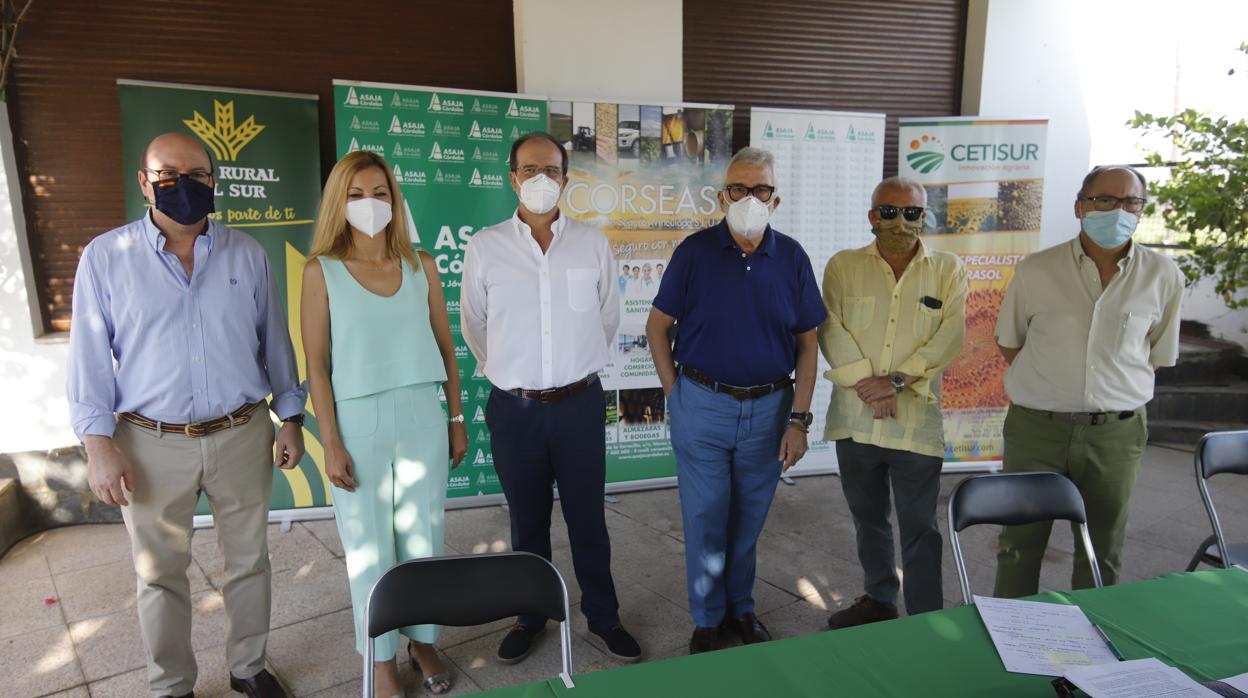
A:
[(224, 138)]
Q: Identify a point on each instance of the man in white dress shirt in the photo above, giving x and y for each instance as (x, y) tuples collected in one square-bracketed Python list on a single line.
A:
[(540, 305)]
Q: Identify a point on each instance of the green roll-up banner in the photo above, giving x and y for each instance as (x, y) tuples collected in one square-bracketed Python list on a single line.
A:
[(265, 147), (448, 150)]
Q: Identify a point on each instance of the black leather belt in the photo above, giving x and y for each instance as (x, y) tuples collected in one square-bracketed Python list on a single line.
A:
[(738, 392), (556, 394), (1090, 418)]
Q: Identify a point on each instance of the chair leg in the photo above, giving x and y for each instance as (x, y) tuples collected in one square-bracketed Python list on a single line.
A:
[(1200, 553)]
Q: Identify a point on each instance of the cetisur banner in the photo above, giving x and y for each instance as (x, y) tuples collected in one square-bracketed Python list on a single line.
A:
[(985, 183), (647, 174), (265, 148), (448, 150)]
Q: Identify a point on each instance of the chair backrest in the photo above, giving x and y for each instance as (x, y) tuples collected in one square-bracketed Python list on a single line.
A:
[(465, 590), (1222, 452), (1011, 499)]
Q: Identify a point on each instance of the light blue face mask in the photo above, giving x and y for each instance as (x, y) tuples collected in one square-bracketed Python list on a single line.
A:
[(1110, 229)]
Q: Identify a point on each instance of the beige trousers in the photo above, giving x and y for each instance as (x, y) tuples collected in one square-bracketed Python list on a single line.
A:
[(234, 469)]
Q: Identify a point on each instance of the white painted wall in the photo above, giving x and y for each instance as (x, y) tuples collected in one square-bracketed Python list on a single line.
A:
[(625, 51), (33, 411)]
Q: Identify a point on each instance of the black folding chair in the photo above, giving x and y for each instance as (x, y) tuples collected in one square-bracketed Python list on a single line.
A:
[(1012, 499), (462, 590), (1219, 452)]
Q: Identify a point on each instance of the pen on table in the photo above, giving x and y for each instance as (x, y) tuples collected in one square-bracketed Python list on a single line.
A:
[(1108, 642)]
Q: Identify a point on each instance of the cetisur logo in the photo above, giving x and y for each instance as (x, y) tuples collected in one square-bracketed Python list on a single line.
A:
[(927, 154), (222, 137)]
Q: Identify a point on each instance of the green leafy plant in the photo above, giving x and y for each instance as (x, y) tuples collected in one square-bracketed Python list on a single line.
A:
[(1206, 198), (12, 12)]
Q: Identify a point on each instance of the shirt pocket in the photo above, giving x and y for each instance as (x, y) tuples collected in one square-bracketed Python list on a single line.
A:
[(1134, 328), (859, 311), (582, 289), (926, 322)]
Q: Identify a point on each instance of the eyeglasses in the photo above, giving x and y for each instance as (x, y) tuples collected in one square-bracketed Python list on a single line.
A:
[(1104, 202), (169, 175), (911, 213), (551, 172), (762, 192)]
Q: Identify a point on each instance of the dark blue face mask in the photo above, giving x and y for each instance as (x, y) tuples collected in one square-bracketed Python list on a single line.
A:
[(183, 199)]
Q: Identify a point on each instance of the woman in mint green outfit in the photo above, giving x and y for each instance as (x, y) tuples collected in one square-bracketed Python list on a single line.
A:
[(378, 346)]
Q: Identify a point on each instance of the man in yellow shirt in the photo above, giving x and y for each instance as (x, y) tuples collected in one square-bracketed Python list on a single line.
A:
[(896, 318)]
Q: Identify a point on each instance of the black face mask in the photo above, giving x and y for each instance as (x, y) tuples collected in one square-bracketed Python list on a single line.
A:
[(183, 199)]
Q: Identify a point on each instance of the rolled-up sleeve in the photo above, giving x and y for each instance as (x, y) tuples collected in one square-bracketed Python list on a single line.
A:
[(473, 302), (848, 365), (92, 384), (276, 350)]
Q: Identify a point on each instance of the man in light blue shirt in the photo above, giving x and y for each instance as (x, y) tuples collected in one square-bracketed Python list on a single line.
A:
[(178, 336)]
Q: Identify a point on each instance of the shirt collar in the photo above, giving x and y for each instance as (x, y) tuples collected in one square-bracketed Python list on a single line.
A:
[(157, 239), (724, 236), (524, 229), (872, 249), (1076, 246)]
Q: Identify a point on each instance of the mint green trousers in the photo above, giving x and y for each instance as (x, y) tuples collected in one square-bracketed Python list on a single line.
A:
[(398, 444)]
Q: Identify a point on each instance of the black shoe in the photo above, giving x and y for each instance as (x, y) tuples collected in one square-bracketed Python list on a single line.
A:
[(704, 640), (749, 628), (865, 610), (189, 695), (262, 685), (519, 642), (619, 643)]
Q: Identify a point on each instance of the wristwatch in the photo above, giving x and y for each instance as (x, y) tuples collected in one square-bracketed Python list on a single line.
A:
[(804, 418), (898, 381), (296, 419), (458, 419)]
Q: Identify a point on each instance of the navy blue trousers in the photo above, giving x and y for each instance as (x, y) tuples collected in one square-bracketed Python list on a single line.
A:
[(537, 445)]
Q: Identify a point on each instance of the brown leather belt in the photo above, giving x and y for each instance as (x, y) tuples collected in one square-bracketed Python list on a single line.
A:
[(750, 393), (236, 418), (556, 394)]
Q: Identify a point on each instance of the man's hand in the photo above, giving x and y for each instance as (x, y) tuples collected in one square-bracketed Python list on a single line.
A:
[(875, 388), (885, 408), (792, 447), (289, 446), (109, 472)]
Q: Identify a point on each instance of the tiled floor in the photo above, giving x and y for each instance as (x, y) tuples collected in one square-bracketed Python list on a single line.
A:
[(68, 625)]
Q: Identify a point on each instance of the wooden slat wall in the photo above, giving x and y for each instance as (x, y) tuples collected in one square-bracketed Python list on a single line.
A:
[(899, 57), (63, 94)]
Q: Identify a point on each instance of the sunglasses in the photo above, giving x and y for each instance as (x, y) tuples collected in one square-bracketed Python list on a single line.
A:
[(911, 213)]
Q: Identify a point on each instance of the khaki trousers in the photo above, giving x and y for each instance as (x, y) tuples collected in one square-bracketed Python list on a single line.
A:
[(234, 469)]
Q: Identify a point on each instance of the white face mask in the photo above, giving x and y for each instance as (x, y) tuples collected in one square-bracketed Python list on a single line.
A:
[(369, 216), (539, 194), (748, 217)]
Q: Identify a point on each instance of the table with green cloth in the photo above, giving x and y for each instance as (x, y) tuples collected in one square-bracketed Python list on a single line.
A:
[(1196, 621)]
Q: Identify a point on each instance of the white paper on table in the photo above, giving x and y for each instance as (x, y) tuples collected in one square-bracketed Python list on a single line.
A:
[(1238, 682), (1033, 637), (1139, 678)]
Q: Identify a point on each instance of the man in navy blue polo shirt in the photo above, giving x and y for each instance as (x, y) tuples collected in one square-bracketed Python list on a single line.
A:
[(744, 303)]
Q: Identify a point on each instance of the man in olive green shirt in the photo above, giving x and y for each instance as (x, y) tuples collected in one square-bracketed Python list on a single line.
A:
[(1083, 326), (896, 319)]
